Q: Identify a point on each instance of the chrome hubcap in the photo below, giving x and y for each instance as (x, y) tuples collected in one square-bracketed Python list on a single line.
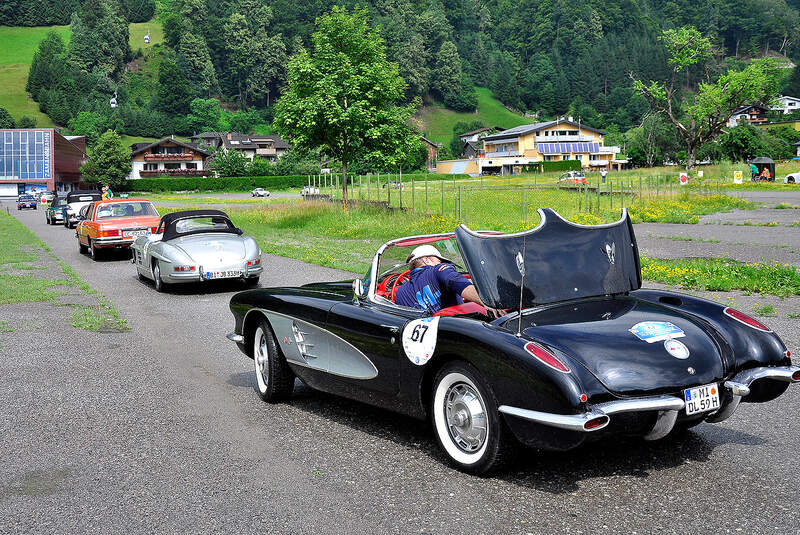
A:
[(466, 417), (262, 362)]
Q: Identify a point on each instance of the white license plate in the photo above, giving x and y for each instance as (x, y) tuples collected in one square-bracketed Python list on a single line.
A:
[(701, 399), (135, 233), (229, 274)]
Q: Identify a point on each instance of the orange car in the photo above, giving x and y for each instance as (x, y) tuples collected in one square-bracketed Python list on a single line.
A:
[(114, 223)]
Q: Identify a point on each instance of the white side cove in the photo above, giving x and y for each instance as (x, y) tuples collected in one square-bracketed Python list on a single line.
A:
[(305, 344)]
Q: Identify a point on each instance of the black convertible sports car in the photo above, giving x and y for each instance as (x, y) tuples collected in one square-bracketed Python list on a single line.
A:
[(583, 352)]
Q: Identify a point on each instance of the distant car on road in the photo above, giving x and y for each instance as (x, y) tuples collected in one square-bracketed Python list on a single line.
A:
[(114, 224), (55, 211), (259, 192), (195, 246), (75, 201), (792, 178), (26, 201), (47, 196), (309, 190)]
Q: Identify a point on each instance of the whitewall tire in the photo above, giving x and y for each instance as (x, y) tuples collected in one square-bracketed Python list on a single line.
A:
[(274, 378), (466, 422)]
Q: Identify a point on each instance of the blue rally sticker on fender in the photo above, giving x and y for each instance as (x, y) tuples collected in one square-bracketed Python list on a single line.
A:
[(656, 331)]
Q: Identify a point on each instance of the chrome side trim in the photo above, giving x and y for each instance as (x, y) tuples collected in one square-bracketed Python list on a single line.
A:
[(776, 373), (571, 422), (233, 337)]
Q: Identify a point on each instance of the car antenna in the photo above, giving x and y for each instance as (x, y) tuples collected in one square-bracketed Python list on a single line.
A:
[(521, 268)]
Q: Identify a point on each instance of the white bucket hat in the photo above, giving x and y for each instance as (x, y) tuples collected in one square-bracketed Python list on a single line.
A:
[(426, 250)]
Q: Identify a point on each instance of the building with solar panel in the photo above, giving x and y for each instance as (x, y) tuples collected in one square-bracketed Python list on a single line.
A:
[(39, 159), (510, 151)]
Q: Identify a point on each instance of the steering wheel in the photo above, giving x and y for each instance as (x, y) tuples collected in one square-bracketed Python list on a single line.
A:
[(397, 282)]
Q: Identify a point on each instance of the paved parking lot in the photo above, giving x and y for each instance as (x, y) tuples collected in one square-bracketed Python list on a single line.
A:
[(159, 430)]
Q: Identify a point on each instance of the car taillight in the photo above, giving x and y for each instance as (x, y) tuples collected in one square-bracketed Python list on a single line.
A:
[(253, 262), (596, 423), (546, 357), (741, 317), (153, 229), (108, 233), (183, 268), (796, 376)]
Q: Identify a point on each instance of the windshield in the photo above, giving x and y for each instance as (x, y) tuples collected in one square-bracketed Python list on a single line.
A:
[(393, 259), (126, 209), (202, 224)]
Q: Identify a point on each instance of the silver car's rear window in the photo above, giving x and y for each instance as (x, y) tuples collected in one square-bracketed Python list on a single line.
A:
[(201, 223)]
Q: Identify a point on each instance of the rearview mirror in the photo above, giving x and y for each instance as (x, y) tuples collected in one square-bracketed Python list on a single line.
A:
[(358, 287)]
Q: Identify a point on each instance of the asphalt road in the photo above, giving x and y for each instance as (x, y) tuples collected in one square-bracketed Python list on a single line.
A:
[(159, 430)]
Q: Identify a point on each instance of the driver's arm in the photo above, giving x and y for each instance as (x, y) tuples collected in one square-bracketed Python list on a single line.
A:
[(471, 294)]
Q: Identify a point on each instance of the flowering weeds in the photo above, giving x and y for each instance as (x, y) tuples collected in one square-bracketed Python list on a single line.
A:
[(721, 274)]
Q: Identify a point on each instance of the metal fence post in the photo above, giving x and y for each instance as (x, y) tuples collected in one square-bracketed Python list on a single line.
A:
[(427, 211), (442, 198), (459, 203), (388, 191), (401, 192), (413, 195), (522, 207)]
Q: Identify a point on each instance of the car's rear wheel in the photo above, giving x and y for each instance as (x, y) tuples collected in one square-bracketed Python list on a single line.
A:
[(274, 378), (159, 284), (466, 421), (94, 252), (81, 247)]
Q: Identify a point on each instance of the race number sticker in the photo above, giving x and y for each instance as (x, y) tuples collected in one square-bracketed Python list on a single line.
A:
[(656, 331), (419, 339)]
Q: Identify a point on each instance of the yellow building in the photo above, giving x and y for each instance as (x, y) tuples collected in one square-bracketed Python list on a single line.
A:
[(509, 151), (552, 141)]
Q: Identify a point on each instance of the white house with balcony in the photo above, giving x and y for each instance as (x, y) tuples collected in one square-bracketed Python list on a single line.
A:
[(786, 104), (168, 157), (268, 146)]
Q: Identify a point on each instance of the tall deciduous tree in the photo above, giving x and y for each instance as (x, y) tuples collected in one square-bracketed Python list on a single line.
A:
[(342, 97), (109, 162), (700, 116), (196, 63)]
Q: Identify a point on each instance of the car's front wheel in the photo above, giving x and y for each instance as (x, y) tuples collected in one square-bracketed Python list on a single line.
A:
[(466, 421), (274, 378)]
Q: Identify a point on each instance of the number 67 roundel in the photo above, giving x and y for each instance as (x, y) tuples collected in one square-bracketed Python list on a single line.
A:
[(419, 339)]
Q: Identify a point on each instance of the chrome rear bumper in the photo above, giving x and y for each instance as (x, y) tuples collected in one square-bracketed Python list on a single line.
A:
[(667, 406)]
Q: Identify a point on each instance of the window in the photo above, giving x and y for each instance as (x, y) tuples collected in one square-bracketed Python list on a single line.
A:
[(172, 166), (191, 165), (126, 209), (151, 167)]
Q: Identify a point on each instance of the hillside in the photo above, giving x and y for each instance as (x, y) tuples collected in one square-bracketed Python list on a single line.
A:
[(16, 53), (437, 121)]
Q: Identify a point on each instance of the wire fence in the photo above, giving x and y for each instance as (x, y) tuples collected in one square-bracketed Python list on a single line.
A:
[(508, 202)]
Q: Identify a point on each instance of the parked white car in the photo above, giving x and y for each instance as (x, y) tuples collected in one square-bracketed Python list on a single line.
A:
[(259, 192), (792, 178), (309, 190), (76, 200)]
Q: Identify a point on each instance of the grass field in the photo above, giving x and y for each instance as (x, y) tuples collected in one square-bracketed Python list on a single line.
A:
[(137, 31), (437, 121), (17, 46)]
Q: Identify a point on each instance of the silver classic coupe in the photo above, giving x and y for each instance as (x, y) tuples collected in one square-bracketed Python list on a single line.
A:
[(195, 246)]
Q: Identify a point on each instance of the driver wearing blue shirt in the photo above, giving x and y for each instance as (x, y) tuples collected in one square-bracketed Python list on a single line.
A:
[(434, 283)]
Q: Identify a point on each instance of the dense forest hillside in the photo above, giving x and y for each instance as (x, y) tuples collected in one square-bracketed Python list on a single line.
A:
[(544, 57)]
